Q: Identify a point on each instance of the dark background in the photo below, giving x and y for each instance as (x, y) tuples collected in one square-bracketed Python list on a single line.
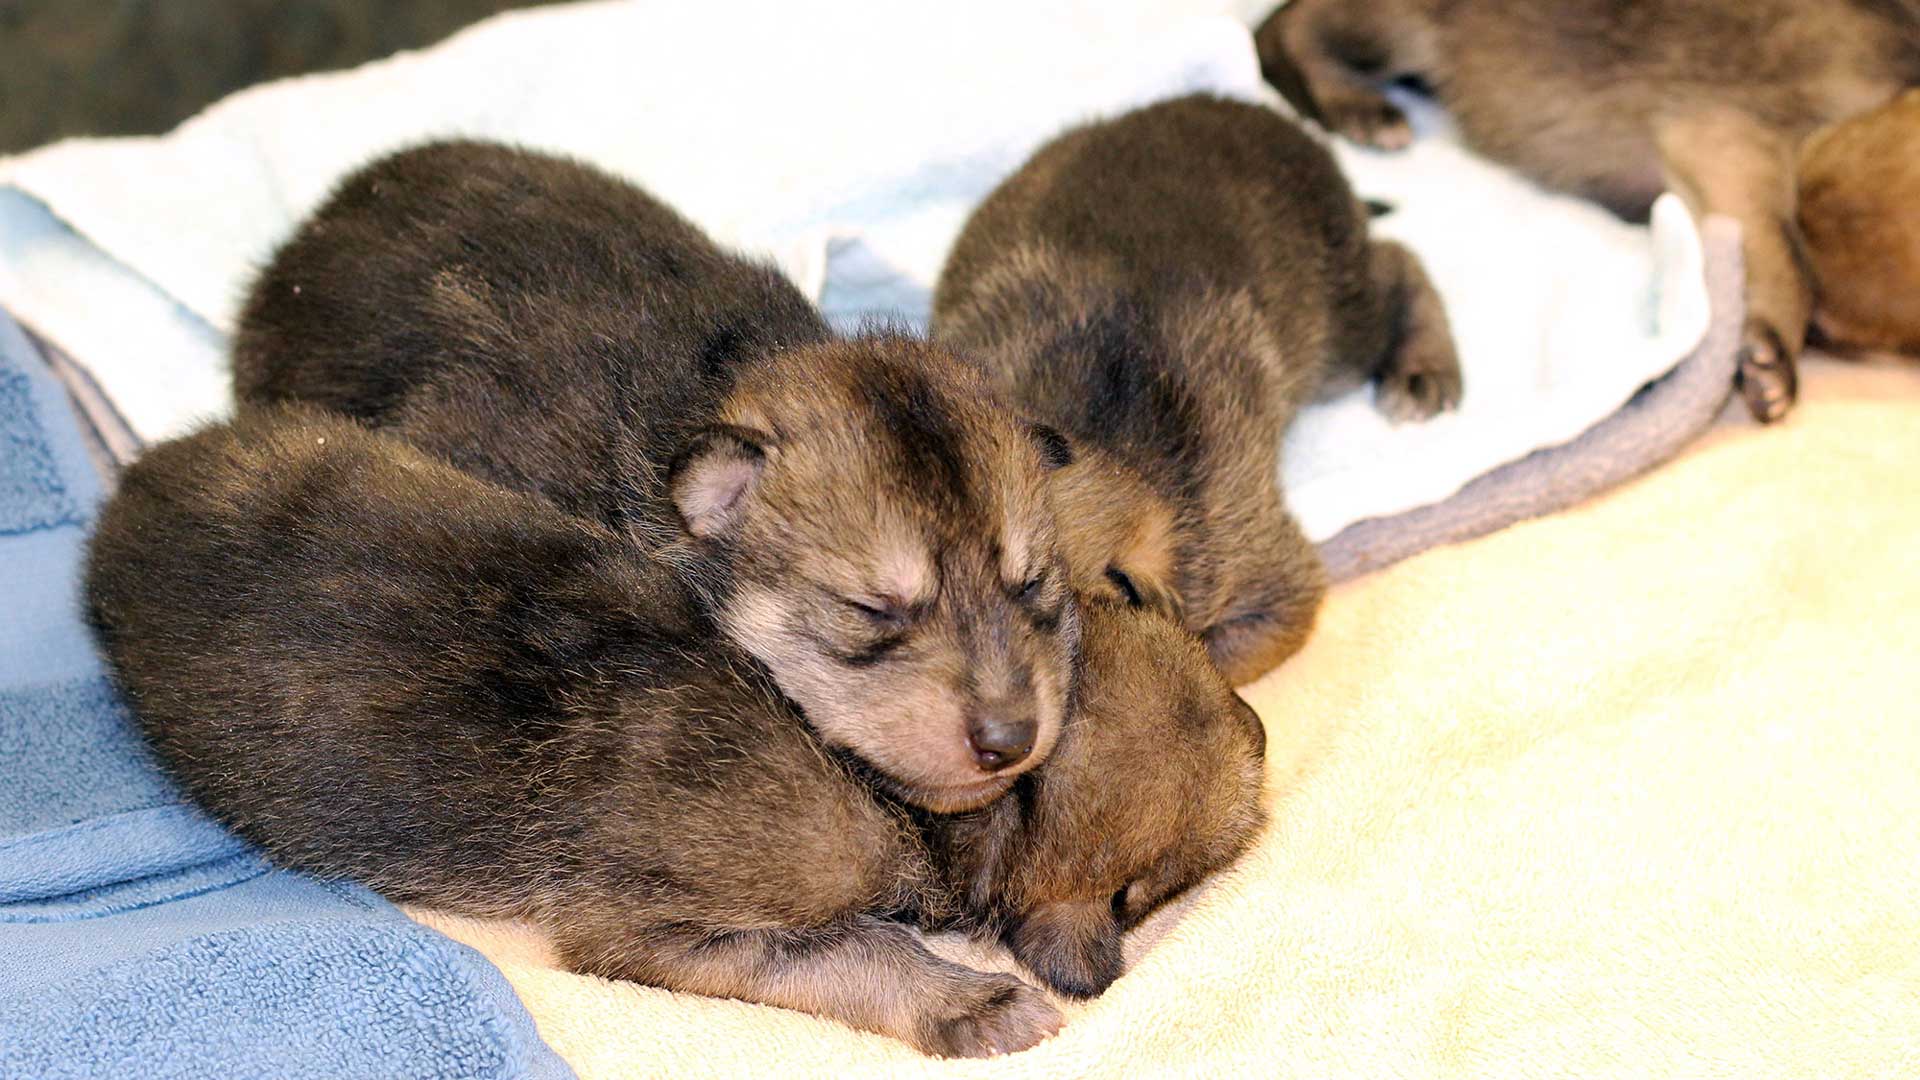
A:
[(138, 67)]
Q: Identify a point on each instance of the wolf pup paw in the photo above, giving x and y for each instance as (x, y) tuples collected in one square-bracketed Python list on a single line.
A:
[(1369, 119), (989, 1016), (1422, 382)]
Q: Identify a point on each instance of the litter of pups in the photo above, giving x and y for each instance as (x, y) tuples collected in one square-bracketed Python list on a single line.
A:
[(380, 667), (561, 565)]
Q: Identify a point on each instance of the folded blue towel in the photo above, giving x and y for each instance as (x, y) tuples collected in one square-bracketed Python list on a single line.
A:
[(138, 938)]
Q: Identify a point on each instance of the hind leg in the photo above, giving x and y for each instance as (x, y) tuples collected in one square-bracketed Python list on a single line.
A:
[(1278, 602), (1331, 59), (1418, 375), (865, 972), (1723, 161)]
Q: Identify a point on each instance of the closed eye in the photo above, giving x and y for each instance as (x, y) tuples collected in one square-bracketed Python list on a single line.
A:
[(1125, 584), (1030, 589), (883, 613)]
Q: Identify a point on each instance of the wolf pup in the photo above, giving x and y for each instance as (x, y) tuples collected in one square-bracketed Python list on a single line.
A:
[(1859, 190), (1615, 101), (1167, 289), (381, 668), (860, 517)]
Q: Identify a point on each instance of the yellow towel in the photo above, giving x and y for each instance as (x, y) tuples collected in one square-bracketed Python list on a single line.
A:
[(1633, 790)]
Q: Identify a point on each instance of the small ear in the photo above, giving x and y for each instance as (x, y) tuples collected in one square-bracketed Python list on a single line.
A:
[(1160, 596), (1055, 450), (712, 478), (1256, 730), (1073, 947), (1142, 589)]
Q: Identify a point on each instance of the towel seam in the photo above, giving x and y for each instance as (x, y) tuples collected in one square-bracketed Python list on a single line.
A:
[(81, 829), (260, 869)]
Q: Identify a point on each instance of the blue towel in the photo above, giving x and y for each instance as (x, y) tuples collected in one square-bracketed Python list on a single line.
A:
[(138, 938)]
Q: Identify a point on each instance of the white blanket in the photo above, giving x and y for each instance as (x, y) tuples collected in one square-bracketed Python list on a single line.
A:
[(847, 142)]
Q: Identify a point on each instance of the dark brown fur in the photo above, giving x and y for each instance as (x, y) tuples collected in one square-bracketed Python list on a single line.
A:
[(859, 515), (380, 668), (1616, 99), (1168, 288), (1860, 213)]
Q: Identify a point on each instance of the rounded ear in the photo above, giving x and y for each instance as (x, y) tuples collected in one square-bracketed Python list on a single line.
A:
[(1141, 589), (1072, 946), (1055, 450), (713, 477), (1256, 730)]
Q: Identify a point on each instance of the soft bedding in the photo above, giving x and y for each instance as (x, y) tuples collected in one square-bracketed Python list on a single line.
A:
[(848, 143)]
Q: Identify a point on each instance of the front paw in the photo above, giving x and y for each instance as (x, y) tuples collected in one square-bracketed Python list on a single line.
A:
[(1422, 383), (988, 1016), (1368, 119), (1767, 377)]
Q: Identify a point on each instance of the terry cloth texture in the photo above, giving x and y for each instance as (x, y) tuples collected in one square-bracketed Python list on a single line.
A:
[(848, 143), (32, 495), (137, 937), (1627, 791)]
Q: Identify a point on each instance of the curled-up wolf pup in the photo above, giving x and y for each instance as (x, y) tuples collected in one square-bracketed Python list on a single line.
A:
[(858, 514), (1615, 100), (1167, 289), (379, 667), (1859, 190)]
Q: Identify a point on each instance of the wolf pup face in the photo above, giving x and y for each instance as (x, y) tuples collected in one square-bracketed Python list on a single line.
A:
[(881, 536), (1156, 785)]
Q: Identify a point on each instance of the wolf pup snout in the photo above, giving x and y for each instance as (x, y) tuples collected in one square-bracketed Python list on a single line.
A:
[(1000, 741)]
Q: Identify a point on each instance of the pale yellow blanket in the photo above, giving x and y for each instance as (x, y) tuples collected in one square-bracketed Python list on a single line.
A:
[(1630, 791)]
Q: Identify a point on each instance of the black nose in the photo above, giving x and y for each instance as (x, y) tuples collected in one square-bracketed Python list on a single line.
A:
[(1000, 742)]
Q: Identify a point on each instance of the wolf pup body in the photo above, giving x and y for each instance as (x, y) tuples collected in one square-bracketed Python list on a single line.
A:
[(1616, 100), (860, 517), (1167, 289), (381, 668), (1859, 190)]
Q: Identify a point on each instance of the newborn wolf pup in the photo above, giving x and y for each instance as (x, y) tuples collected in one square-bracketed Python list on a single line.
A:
[(1167, 289), (1615, 100), (858, 514), (1859, 187), (381, 668)]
